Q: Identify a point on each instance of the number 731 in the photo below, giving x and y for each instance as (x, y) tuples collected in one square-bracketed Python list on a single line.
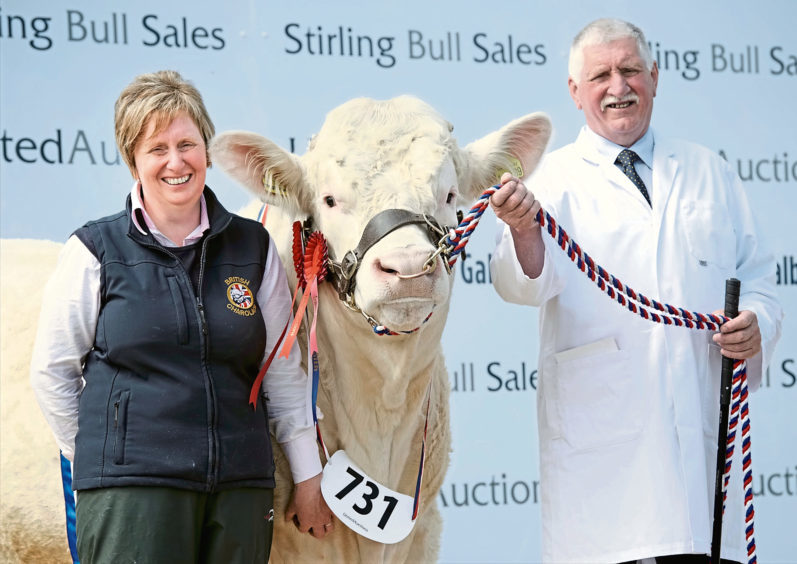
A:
[(368, 497)]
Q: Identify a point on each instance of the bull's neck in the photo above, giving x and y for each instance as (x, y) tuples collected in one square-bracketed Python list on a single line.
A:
[(395, 370), (374, 390), (392, 370), (378, 399)]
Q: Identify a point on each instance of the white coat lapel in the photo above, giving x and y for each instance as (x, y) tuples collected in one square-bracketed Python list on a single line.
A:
[(665, 169), (611, 172)]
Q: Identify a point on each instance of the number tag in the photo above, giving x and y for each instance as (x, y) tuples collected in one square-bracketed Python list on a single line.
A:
[(365, 506)]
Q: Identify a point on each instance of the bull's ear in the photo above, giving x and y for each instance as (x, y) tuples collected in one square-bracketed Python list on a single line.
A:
[(517, 147), (272, 174)]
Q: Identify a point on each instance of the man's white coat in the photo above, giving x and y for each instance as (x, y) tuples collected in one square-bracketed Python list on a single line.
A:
[(637, 392)]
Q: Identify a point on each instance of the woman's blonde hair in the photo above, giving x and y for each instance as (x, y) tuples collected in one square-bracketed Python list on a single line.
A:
[(161, 96)]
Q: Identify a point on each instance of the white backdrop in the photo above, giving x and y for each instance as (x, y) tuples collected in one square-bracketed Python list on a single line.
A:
[(728, 76)]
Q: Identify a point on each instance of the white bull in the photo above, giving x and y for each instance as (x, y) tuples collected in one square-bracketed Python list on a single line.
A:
[(371, 156)]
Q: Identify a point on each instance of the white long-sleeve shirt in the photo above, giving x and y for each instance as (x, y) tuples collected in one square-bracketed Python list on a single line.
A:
[(66, 331)]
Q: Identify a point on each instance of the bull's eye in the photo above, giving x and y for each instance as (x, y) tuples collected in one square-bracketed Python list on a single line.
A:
[(329, 201), (450, 198)]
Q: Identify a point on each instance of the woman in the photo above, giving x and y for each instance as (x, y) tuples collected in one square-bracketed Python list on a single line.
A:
[(152, 331)]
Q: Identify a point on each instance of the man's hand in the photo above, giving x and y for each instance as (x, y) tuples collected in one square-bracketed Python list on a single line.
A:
[(739, 338), (514, 204), (308, 510)]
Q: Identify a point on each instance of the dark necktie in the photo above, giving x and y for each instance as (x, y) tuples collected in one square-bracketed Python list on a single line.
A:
[(626, 160)]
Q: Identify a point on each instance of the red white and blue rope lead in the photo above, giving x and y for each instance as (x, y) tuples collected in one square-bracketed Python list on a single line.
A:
[(740, 414), (608, 283), (641, 305)]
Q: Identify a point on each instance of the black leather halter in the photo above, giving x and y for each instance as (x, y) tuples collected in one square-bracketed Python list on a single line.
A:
[(343, 272)]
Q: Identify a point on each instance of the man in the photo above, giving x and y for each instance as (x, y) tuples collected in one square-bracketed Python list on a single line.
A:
[(628, 409)]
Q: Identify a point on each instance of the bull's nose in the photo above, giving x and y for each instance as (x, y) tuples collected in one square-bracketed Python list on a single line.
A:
[(405, 263), (428, 268)]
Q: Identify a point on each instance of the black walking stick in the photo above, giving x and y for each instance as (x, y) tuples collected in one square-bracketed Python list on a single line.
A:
[(732, 286)]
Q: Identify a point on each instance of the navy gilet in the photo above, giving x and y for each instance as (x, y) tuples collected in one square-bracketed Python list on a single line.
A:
[(167, 381)]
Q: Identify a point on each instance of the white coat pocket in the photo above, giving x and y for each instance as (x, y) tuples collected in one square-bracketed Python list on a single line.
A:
[(600, 400), (709, 233)]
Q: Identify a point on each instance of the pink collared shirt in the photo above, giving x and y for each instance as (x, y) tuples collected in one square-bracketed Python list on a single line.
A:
[(193, 237)]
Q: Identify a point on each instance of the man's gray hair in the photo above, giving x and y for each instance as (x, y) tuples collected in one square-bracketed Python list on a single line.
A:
[(601, 32)]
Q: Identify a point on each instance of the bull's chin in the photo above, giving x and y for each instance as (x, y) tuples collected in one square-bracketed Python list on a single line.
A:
[(405, 314)]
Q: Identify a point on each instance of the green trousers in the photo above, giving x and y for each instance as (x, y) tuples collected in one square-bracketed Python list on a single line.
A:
[(150, 525)]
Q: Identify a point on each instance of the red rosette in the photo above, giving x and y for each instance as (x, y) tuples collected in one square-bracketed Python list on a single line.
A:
[(315, 256), (298, 254)]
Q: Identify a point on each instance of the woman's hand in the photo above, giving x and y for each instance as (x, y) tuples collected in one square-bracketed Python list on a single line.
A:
[(308, 510)]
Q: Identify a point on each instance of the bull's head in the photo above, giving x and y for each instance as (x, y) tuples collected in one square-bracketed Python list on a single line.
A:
[(372, 156)]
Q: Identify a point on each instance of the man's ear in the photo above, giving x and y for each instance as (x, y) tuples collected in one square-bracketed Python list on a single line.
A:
[(574, 94), (654, 74)]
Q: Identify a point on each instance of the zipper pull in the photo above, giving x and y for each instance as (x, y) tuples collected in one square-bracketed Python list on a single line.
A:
[(202, 316), (115, 413)]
